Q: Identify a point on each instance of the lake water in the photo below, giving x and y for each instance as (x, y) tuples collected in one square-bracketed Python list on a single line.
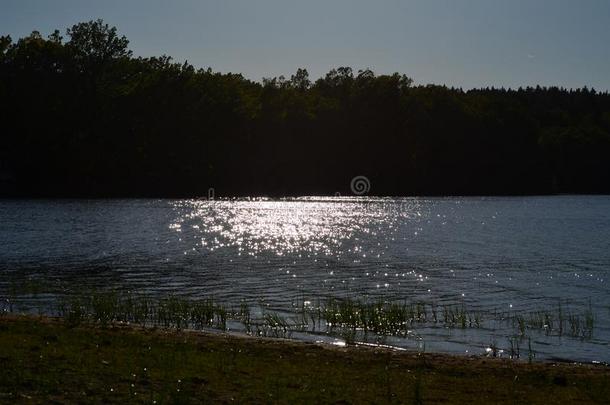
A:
[(515, 255)]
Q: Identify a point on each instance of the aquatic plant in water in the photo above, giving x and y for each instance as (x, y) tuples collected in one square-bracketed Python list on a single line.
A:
[(347, 318)]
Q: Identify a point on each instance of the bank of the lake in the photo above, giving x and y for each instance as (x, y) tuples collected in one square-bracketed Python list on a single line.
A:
[(43, 360)]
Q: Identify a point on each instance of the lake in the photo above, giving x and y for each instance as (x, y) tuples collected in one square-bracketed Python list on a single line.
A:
[(501, 257)]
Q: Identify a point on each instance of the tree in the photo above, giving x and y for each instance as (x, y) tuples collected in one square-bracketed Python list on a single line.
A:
[(94, 42), (300, 80), (85, 117), (5, 43), (56, 37)]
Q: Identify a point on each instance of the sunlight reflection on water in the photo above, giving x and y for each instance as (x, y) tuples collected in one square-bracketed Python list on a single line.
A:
[(507, 254), (311, 227)]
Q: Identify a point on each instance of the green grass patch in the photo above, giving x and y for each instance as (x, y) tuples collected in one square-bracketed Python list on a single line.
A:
[(44, 360)]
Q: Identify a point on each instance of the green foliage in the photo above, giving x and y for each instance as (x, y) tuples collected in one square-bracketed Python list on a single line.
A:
[(85, 117), (95, 42)]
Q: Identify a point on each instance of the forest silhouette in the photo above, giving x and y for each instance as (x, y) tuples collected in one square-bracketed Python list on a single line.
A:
[(81, 116)]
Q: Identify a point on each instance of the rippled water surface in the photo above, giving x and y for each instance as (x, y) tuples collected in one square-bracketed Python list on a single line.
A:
[(517, 255)]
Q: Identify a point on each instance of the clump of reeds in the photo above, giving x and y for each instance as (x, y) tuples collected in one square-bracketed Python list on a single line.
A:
[(348, 318), (274, 325), (342, 317), (459, 316), (169, 312), (555, 321), (379, 317)]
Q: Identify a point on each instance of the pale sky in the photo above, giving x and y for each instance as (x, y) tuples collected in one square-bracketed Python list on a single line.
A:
[(461, 43)]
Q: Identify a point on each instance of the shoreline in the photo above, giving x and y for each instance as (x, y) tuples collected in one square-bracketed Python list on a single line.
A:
[(36, 353)]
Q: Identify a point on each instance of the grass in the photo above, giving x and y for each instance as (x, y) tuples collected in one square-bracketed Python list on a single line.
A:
[(350, 319), (393, 318), (46, 360), (169, 312), (557, 322)]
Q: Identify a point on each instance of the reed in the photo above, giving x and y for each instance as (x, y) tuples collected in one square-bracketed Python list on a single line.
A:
[(530, 352), (515, 351), (347, 318), (275, 325)]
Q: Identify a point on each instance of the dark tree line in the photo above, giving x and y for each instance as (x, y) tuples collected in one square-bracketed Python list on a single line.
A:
[(80, 116)]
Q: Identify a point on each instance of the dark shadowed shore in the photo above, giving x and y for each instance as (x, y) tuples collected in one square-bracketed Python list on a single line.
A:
[(42, 360)]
